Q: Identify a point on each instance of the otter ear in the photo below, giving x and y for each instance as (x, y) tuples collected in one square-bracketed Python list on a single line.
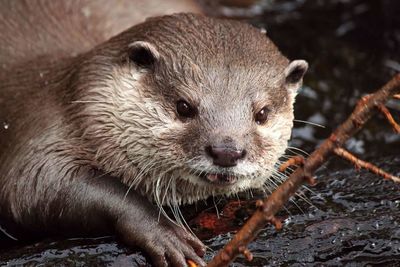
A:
[(143, 54), (294, 74)]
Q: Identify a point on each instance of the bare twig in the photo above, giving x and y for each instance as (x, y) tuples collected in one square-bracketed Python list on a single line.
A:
[(384, 110), (270, 206), (366, 165), (296, 160), (246, 252)]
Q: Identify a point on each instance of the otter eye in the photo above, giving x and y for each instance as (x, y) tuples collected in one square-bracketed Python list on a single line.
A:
[(185, 110), (262, 116)]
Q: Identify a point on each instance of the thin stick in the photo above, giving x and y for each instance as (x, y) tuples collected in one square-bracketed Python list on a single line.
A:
[(366, 165), (365, 108), (384, 110), (296, 160)]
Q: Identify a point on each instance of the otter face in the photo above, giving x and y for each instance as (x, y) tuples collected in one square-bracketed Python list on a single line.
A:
[(185, 117)]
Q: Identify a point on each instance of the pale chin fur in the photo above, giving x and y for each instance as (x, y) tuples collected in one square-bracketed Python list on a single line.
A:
[(138, 163), (181, 186)]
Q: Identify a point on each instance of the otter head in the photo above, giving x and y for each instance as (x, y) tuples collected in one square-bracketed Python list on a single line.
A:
[(183, 107)]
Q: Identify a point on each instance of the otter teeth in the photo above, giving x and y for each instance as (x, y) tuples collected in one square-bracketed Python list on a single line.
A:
[(221, 178)]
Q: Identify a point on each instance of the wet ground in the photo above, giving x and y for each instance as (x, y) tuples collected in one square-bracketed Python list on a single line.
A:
[(353, 48)]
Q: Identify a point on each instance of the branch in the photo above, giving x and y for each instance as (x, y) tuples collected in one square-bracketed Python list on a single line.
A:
[(296, 160), (365, 108), (366, 165), (384, 110)]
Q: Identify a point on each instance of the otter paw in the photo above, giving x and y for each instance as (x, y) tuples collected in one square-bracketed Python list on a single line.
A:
[(166, 243)]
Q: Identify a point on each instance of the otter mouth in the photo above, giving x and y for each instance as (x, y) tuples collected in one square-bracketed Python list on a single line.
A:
[(220, 178)]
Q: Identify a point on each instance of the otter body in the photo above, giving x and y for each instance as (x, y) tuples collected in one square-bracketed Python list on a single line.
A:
[(170, 111), (30, 29)]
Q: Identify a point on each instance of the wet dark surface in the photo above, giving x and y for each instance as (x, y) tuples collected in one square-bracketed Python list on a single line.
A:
[(353, 48)]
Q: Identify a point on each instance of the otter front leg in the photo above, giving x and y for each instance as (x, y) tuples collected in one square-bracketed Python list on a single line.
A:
[(100, 202)]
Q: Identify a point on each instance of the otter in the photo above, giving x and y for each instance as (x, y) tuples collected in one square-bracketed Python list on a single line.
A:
[(170, 111)]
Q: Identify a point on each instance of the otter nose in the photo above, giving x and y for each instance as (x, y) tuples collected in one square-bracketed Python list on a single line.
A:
[(225, 156)]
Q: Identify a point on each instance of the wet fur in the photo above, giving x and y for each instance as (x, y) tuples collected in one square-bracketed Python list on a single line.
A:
[(102, 112), (97, 119), (129, 114)]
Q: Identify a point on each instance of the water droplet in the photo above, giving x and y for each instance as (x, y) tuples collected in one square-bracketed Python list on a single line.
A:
[(338, 259)]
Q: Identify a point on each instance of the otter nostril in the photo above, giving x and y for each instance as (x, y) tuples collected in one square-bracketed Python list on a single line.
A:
[(243, 154), (225, 157), (209, 151)]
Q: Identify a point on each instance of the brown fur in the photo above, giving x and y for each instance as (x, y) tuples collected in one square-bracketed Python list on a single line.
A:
[(33, 28), (72, 123)]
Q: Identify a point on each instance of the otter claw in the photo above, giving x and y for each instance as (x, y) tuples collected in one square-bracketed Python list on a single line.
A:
[(165, 243)]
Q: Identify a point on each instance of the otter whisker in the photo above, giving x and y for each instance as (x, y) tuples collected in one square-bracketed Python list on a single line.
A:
[(293, 149), (251, 193), (139, 175), (166, 190), (310, 123), (149, 166), (160, 205), (313, 193), (215, 206), (91, 101), (281, 177), (303, 197), (7, 234), (161, 209), (175, 207), (237, 197), (184, 221)]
